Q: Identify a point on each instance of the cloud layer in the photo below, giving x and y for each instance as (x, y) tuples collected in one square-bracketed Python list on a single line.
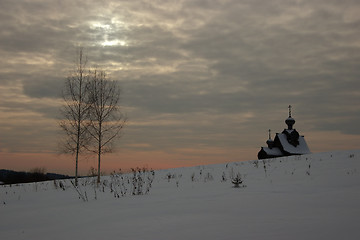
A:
[(195, 74)]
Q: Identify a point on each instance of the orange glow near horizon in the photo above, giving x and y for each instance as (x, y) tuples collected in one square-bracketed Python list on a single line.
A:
[(128, 158), (124, 159)]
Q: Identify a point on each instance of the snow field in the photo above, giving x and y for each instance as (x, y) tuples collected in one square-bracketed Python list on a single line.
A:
[(315, 196)]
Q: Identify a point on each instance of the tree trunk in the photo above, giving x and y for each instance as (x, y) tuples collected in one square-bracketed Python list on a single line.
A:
[(76, 167), (99, 158), (99, 152)]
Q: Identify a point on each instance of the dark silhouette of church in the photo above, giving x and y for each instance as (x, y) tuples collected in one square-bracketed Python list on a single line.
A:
[(287, 143)]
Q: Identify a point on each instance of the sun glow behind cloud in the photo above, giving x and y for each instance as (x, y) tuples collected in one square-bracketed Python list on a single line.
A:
[(114, 43), (108, 31)]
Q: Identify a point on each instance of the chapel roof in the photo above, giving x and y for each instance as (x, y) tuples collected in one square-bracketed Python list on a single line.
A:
[(289, 142)]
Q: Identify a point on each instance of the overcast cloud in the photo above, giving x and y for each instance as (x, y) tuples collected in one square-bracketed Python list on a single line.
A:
[(197, 74)]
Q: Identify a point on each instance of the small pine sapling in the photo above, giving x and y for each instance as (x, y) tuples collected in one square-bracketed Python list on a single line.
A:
[(237, 181)]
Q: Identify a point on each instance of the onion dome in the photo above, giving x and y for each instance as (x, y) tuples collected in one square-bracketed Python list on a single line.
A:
[(290, 122), (270, 143)]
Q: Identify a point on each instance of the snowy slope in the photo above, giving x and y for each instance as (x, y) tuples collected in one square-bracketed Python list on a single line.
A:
[(300, 197)]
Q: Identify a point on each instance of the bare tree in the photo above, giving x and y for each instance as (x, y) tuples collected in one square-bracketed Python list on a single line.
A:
[(75, 110), (105, 118)]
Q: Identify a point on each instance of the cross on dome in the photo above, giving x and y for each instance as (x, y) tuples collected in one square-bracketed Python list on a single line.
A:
[(270, 134), (290, 121), (289, 110)]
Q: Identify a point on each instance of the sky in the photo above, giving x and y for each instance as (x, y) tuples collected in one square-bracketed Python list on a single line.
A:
[(202, 80)]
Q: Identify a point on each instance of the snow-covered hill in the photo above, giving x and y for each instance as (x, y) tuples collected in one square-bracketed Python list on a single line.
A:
[(300, 197)]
